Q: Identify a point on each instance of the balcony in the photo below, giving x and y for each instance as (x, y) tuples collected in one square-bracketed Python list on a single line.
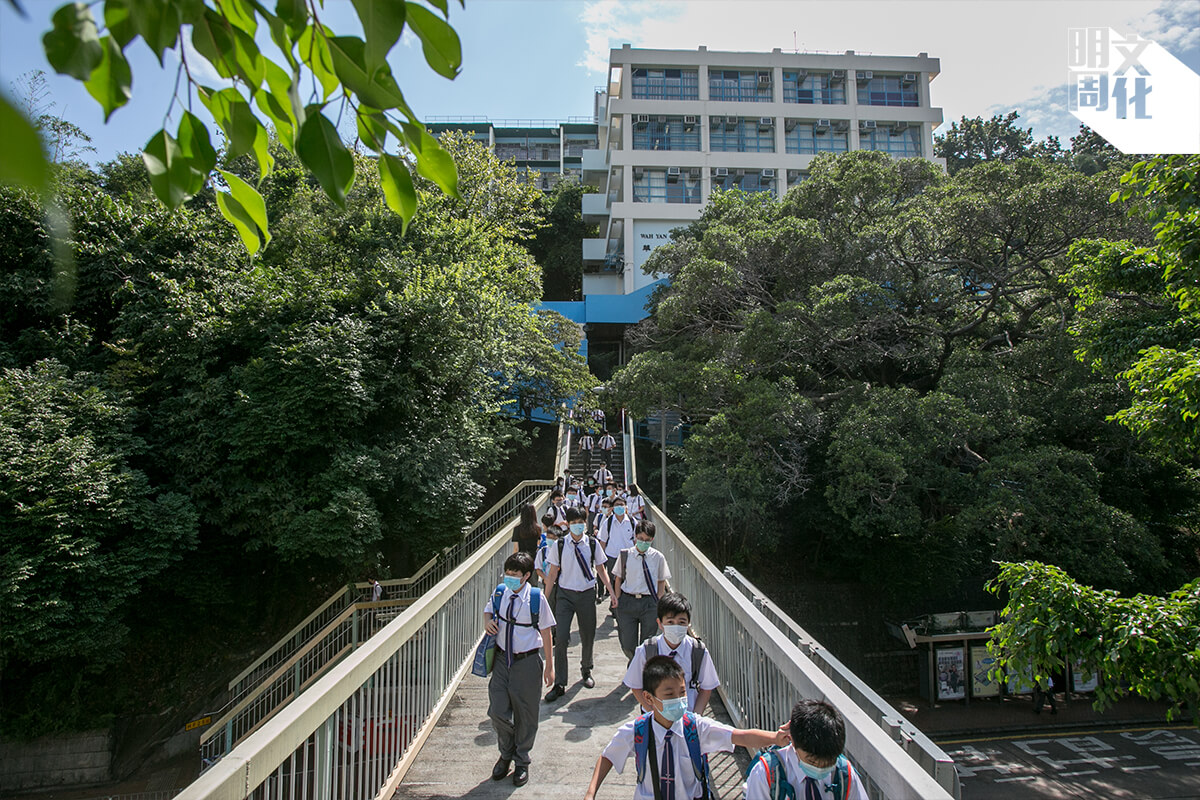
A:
[(595, 208), (594, 249)]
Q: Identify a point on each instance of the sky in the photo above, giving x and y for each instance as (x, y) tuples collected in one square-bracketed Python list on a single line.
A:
[(543, 59)]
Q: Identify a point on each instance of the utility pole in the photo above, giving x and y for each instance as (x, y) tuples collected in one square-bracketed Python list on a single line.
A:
[(662, 434)]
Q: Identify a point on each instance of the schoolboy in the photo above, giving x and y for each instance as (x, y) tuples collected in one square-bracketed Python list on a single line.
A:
[(674, 617), (522, 642), (812, 765), (640, 577), (664, 753), (596, 530), (576, 562), (616, 531), (550, 534), (558, 507)]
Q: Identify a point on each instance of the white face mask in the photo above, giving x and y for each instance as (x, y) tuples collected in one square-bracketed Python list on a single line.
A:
[(674, 634)]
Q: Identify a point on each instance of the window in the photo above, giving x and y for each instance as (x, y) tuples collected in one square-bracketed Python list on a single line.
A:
[(749, 86), (814, 88), (748, 180), (665, 84), (806, 137), (666, 133), (578, 142), (888, 90), (659, 186), (740, 135), (900, 142), (527, 148), (795, 177)]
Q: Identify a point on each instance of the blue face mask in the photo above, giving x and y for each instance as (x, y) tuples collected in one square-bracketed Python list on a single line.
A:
[(816, 773), (674, 709), (512, 582), (578, 528)]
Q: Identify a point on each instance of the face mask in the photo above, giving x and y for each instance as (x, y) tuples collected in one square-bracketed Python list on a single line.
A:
[(674, 709), (641, 546), (512, 582), (619, 511), (816, 773), (577, 528), (558, 502), (608, 492), (675, 633)]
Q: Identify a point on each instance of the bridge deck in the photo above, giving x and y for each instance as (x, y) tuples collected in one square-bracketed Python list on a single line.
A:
[(457, 759)]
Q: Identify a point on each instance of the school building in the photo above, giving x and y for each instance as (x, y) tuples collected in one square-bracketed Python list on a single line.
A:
[(671, 126)]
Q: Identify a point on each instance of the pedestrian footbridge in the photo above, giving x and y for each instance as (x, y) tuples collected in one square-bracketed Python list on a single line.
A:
[(376, 700)]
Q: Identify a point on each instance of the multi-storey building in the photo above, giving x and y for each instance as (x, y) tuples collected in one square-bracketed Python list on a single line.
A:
[(545, 151)]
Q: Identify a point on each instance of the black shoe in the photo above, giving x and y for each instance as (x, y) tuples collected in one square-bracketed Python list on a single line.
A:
[(555, 693), (501, 769), (588, 681), (520, 775)]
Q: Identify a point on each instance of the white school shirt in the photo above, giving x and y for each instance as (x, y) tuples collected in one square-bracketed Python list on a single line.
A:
[(570, 575), (607, 442), (602, 476), (615, 534), (635, 582), (585, 443), (525, 638), (636, 505), (714, 737), (559, 512), (683, 657), (755, 787)]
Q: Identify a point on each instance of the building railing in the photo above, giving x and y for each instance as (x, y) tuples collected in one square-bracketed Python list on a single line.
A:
[(920, 747), (763, 673)]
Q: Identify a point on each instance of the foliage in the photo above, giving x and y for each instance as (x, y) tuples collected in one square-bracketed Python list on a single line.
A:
[(557, 247), (1145, 645), (976, 141), (341, 72)]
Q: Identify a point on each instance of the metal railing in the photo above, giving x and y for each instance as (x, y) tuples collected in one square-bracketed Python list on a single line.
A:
[(919, 747), (763, 673)]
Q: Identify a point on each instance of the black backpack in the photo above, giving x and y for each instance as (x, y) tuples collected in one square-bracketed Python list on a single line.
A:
[(698, 651)]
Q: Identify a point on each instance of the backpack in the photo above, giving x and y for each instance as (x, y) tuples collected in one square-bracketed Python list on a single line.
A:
[(698, 651), (641, 745), (535, 605), (624, 558), (562, 540), (779, 788)]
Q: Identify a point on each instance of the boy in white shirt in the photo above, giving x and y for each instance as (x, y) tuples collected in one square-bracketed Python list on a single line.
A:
[(640, 577), (813, 766), (674, 617), (670, 745), (522, 639), (616, 532)]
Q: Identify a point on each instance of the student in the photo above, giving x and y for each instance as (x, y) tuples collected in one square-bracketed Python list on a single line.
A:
[(558, 507), (812, 766), (639, 578), (663, 740), (674, 617), (586, 443), (596, 526), (550, 535), (575, 563), (602, 475), (520, 620), (1041, 696), (606, 444), (528, 534), (636, 503), (616, 532)]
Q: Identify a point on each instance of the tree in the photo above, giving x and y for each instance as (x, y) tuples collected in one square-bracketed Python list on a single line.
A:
[(973, 141), (1149, 644), (66, 140), (557, 246), (341, 72)]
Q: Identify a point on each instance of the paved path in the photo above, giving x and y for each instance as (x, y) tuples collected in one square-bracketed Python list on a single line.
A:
[(457, 760)]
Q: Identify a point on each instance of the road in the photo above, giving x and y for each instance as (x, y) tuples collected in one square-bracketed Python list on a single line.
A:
[(1158, 763)]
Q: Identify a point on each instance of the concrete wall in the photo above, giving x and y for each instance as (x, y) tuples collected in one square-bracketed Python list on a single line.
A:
[(76, 760)]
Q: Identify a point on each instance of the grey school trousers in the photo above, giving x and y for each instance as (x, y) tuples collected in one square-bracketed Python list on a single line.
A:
[(514, 701), (634, 613), (568, 604)]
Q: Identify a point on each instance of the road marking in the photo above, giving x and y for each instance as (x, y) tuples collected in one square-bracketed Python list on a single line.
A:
[(1056, 735), (1020, 778), (1081, 772)]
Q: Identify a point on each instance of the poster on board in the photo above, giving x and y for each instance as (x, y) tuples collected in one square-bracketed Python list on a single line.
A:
[(1083, 678), (951, 673), (981, 663)]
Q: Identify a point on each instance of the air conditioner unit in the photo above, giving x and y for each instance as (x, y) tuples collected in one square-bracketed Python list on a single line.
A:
[(842, 125), (720, 172), (863, 77), (672, 174), (838, 75), (866, 124), (764, 79), (694, 173), (641, 119), (821, 125), (790, 124), (638, 172), (766, 123), (715, 122), (768, 173), (910, 77), (741, 173), (662, 120), (731, 123), (689, 122), (898, 127), (801, 74)]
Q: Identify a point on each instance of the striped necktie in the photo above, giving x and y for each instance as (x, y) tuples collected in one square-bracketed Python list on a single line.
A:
[(649, 578), (667, 781), (508, 634), (812, 790)]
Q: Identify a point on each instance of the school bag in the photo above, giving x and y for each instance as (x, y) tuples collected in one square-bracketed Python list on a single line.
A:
[(535, 605), (778, 786), (691, 735), (698, 650), (624, 558), (562, 540)]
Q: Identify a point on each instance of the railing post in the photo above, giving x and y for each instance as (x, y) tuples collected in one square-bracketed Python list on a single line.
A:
[(354, 629), (323, 766)]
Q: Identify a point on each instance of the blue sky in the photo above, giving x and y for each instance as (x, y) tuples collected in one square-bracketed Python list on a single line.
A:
[(542, 59)]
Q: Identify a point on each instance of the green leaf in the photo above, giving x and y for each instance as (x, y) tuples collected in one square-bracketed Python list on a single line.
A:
[(237, 214), (275, 102), (24, 162), (262, 153), (195, 145), (241, 15), (320, 149), (376, 87), (158, 22), (294, 13), (314, 51), (372, 129), (73, 45), (443, 50), (398, 188), (441, 5), (171, 174), (248, 206), (119, 22), (230, 50), (112, 81), (433, 162), (235, 117), (382, 24)]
